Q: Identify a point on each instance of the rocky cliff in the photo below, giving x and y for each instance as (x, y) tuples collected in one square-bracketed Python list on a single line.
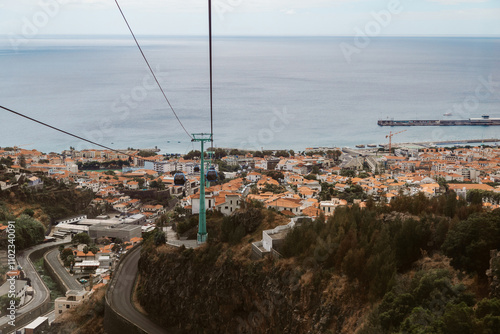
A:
[(212, 290)]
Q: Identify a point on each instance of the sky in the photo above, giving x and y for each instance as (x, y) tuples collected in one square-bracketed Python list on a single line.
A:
[(31, 18)]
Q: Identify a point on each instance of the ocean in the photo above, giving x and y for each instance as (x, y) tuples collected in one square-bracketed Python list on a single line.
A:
[(269, 92)]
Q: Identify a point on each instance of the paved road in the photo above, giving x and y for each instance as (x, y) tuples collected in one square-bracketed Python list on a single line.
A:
[(69, 281), (40, 290), (120, 297)]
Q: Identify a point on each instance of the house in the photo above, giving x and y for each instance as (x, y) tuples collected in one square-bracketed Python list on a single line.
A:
[(272, 239), (195, 202), (462, 189), (328, 207), (253, 177), (73, 299), (35, 182), (230, 204), (286, 204)]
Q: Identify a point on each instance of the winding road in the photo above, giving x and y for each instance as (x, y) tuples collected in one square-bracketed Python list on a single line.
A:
[(41, 293), (69, 281), (120, 296)]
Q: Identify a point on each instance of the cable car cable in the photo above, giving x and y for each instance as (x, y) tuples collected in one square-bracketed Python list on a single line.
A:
[(211, 85), (71, 134), (151, 70)]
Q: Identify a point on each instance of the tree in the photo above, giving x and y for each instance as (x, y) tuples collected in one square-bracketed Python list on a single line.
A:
[(282, 153), (29, 212), (219, 153), (469, 242), (192, 154), (235, 151), (146, 154), (67, 256), (94, 249), (22, 161), (157, 185), (81, 238), (5, 302), (140, 180), (29, 232), (6, 161), (277, 175), (116, 248), (160, 238), (347, 173)]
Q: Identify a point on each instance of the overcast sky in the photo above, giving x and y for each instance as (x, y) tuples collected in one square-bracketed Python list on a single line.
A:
[(253, 17)]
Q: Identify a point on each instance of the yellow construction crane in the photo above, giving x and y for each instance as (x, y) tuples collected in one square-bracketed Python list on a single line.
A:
[(390, 135)]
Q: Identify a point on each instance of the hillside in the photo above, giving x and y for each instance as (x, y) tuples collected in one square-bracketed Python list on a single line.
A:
[(417, 266)]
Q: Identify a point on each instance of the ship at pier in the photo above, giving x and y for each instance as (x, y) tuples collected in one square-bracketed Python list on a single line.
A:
[(485, 120)]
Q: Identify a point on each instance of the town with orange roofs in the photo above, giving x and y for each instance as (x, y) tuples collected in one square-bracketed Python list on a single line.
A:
[(133, 193), (301, 184)]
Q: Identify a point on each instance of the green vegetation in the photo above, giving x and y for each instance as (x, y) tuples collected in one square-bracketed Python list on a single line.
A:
[(432, 304), (81, 238), (349, 194), (348, 173), (469, 242), (47, 279), (146, 154), (156, 185), (370, 249), (387, 257), (225, 167), (29, 232), (192, 155), (57, 200), (275, 174), (6, 161), (241, 223), (67, 256), (477, 196), (5, 303), (95, 165), (275, 189)]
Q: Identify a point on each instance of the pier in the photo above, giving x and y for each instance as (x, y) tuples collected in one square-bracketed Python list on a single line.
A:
[(483, 121)]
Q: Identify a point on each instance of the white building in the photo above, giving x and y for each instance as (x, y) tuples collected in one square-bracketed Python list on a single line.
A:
[(73, 299)]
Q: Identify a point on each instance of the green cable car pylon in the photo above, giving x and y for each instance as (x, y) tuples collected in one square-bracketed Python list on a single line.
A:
[(202, 222)]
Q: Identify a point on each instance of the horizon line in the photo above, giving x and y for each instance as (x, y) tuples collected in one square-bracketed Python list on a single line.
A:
[(262, 36)]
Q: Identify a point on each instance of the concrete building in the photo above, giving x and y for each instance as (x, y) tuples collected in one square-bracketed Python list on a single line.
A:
[(72, 220), (73, 299), (123, 231), (39, 325), (271, 239), (231, 204), (328, 207)]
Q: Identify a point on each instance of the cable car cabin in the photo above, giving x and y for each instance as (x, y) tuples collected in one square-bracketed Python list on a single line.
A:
[(212, 174), (197, 169), (179, 179)]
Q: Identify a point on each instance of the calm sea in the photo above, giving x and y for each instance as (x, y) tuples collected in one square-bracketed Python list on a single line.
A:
[(268, 92)]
